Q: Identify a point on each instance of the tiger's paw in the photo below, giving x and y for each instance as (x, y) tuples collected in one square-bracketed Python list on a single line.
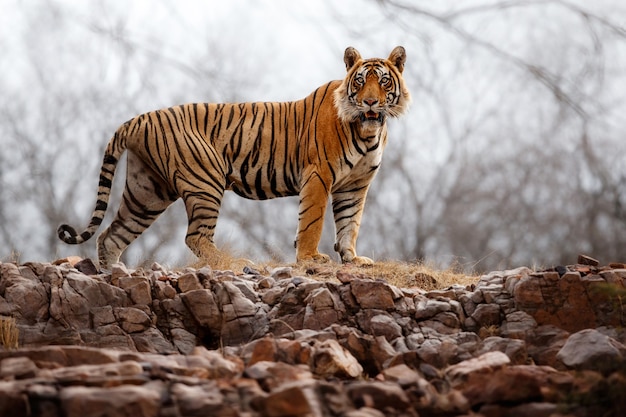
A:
[(360, 261), (317, 257)]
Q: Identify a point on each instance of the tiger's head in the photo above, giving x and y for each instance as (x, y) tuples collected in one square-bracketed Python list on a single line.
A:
[(373, 88)]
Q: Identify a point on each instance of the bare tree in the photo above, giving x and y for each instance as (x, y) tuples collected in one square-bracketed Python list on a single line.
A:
[(523, 175)]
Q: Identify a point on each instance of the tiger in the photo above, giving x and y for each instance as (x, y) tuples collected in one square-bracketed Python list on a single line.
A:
[(327, 146)]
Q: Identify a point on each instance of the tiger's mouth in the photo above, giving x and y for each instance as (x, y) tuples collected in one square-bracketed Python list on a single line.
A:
[(372, 116)]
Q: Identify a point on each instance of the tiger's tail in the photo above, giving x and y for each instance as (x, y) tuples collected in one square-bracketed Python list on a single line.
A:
[(112, 154)]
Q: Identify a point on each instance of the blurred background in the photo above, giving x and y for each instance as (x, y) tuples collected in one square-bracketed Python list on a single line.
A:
[(513, 152)]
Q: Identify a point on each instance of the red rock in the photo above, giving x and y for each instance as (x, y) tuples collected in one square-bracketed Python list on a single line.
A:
[(72, 260), (188, 282), (138, 288), (379, 395), (122, 401), (372, 294), (330, 359), (294, 399), (13, 401), (587, 260), (507, 385)]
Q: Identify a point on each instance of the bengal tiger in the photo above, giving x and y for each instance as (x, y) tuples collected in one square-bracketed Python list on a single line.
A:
[(330, 144)]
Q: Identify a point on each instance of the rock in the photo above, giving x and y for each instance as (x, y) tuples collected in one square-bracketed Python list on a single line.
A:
[(138, 288), (86, 266), (203, 308), (590, 349), (132, 320), (515, 349), (372, 294), (587, 260), (506, 385), (378, 395), (487, 315), (426, 308), (379, 323), (13, 401), (199, 400), (210, 342), (485, 364), (281, 273), (294, 399), (330, 359), (126, 400), (518, 325), (188, 282), (18, 368)]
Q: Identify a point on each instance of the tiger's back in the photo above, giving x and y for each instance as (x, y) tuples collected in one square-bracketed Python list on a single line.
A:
[(259, 150)]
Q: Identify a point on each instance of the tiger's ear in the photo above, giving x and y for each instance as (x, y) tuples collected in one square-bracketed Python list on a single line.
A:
[(398, 57), (350, 57)]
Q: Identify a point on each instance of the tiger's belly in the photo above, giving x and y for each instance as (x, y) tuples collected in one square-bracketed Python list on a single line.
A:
[(262, 184)]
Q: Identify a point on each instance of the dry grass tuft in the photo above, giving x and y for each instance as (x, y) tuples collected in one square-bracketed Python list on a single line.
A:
[(223, 258), (399, 274), (9, 333)]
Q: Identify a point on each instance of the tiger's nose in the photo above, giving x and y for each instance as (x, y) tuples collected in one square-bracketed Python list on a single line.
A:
[(370, 101)]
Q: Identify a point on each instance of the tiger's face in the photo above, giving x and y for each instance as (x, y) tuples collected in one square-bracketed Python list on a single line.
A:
[(373, 89)]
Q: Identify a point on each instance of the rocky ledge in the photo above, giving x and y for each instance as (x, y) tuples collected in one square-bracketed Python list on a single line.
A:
[(202, 342)]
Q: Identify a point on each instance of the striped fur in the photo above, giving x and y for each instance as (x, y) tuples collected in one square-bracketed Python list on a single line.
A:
[(329, 144)]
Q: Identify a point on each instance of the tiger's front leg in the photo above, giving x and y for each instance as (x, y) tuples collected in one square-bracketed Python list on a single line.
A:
[(347, 209), (313, 200)]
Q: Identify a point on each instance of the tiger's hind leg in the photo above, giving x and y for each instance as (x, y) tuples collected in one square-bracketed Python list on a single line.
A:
[(145, 197)]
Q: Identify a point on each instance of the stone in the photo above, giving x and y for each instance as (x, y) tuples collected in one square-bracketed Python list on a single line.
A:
[(426, 308), (372, 294), (280, 273), (183, 340), (592, 350), (188, 282), (198, 400), (203, 307), (378, 395), (587, 260), (515, 349), (86, 266), (233, 302), (209, 343), (507, 385), (294, 399), (271, 375), (330, 359), (118, 270), (13, 401), (138, 289), (125, 400), (485, 364), (487, 315), (518, 325), (379, 323), (132, 320), (18, 368)]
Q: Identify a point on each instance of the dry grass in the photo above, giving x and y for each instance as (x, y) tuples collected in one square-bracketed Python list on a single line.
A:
[(9, 334), (399, 274), (223, 258)]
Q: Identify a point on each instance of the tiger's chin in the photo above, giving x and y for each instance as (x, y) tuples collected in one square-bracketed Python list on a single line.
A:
[(371, 123)]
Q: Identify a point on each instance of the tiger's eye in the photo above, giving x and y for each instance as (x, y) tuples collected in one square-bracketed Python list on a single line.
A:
[(384, 80)]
